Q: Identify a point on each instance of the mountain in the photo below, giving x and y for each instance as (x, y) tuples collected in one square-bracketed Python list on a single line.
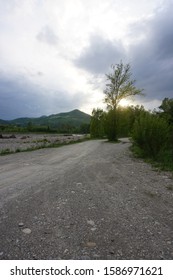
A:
[(2, 122), (73, 118)]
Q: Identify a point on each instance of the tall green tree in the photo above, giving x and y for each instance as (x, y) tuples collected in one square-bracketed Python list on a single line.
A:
[(120, 85), (97, 123)]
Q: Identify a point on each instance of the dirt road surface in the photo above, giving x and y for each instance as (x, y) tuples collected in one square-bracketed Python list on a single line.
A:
[(91, 200)]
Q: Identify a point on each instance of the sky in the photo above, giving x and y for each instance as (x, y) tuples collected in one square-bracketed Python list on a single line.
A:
[(54, 54)]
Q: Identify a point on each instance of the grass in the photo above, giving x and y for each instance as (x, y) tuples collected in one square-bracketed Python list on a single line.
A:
[(164, 161), (5, 152), (150, 194), (41, 141), (169, 187)]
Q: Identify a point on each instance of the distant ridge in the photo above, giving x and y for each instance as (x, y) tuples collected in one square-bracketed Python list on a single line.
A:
[(3, 122), (72, 118)]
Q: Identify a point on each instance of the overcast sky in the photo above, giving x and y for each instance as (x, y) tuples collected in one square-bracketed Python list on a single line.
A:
[(54, 53)]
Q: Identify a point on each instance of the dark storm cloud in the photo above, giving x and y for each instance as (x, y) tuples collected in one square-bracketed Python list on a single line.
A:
[(19, 98), (162, 32), (47, 35), (100, 54), (152, 57)]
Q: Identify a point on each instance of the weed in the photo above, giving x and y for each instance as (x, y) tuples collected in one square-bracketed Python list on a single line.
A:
[(5, 151), (41, 141), (169, 187), (150, 194)]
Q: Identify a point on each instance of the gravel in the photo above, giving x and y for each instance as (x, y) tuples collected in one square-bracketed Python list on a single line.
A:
[(20, 142), (92, 200)]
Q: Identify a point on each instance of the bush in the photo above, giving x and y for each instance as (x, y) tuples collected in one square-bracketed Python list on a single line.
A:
[(151, 134)]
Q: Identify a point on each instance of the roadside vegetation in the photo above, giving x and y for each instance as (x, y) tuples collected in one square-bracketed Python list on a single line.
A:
[(33, 128), (151, 132), (152, 135)]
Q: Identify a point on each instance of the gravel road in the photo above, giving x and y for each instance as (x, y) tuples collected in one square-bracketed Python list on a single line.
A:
[(91, 200)]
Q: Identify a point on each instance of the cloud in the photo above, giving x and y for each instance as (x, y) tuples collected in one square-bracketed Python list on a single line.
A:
[(21, 98), (152, 56), (148, 48), (18, 98), (54, 54), (100, 54), (47, 35), (162, 32)]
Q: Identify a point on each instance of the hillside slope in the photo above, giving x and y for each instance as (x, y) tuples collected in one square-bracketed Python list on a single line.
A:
[(73, 118)]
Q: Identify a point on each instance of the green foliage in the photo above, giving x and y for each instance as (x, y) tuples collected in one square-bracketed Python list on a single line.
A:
[(165, 158), (97, 123), (151, 134), (29, 126), (84, 128), (119, 86), (70, 122), (103, 123), (169, 187), (152, 138), (125, 119), (167, 108), (5, 151), (72, 119), (110, 125)]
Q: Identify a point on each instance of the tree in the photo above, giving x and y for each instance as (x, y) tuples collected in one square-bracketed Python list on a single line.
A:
[(29, 126), (110, 130), (97, 123), (167, 108), (84, 128), (120, 86)]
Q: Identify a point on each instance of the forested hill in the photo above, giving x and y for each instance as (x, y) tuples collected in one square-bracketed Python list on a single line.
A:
[(73, 118)]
